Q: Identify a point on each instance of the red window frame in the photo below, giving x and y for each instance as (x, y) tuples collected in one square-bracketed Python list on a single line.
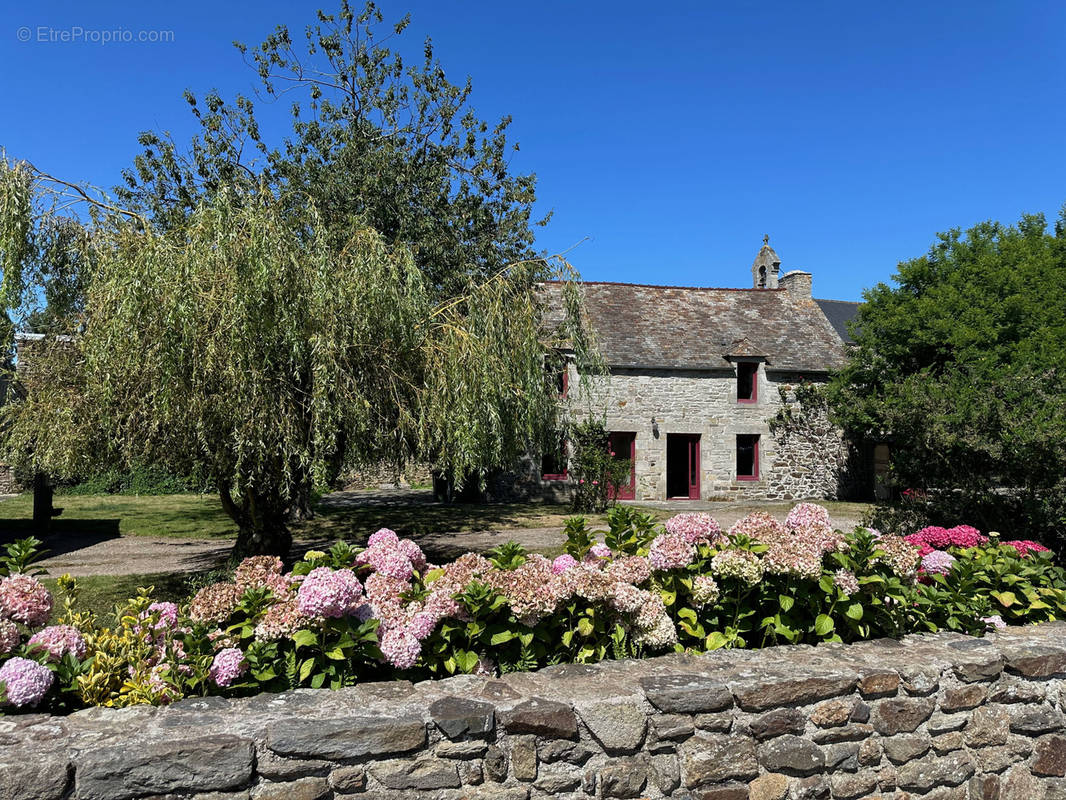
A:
[(754, 367), (566, 382), (559, 476), (755, 457)]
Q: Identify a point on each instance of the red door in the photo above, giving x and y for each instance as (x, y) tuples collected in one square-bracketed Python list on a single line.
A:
[(624, 446), (694, 468)]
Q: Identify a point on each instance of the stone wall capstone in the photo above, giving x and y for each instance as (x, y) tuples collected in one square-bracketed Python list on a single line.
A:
[(943, 717)]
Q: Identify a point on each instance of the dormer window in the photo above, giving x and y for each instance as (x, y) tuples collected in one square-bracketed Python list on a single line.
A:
[(747, 382), (558, 370)]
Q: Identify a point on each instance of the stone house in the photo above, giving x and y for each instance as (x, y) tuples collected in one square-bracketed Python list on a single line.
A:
[(695, 377)]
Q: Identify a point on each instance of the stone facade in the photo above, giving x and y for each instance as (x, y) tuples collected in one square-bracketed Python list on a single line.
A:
[(811, 464), (939, 717)]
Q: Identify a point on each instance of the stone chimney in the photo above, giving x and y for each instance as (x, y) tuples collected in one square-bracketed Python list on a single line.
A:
[(766, 266), (797, 283)]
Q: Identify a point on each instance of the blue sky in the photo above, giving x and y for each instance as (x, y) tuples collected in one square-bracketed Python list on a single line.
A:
[(667, 138)]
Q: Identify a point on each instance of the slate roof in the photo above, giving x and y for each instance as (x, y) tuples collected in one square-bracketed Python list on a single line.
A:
[(839, 313), (678, 327)]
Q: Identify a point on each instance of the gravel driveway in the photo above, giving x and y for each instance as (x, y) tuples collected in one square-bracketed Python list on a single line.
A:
[(130, 555)]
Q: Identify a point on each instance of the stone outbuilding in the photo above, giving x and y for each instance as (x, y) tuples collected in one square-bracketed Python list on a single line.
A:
[(697, 374)]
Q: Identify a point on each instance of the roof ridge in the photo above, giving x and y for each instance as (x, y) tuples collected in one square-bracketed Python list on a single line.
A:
[(668, 286)]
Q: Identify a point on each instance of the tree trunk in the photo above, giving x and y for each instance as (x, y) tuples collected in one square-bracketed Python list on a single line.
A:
[(261, 522), (43, 510)]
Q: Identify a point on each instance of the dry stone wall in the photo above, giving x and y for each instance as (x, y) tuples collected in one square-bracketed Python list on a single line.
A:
[(940, 716)]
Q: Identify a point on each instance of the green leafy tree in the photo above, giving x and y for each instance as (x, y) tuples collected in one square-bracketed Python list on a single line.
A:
[(961, 366), (245, 345), (375, 141)]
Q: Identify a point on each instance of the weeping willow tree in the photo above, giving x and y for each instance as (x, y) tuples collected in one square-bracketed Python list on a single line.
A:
[(255, 345)]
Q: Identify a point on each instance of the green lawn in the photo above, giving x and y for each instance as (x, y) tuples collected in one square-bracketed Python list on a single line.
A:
[(184, 516), (101, 593), (196, 516)]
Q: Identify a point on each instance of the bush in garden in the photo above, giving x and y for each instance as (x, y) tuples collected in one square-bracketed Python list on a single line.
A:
[(38, 662), (594, 467), (636, 588)]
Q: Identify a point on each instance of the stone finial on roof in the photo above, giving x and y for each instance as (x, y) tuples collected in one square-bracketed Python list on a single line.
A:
[(766, 266)]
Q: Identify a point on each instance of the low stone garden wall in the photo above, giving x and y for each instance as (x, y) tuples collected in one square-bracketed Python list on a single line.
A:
[(938, 716)]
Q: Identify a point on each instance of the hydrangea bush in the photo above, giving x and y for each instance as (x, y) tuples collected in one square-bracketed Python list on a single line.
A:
[(636, 588), (38, 662)]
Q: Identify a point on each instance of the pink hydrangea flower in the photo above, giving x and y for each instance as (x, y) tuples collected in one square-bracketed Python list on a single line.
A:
[(601, 551), (58, 640), (227, 667), (627, 598), (414, 554), (994, 622), (329, 593), (215, 603), (630, 569), (388, 560), (25, 599), (168, 615), (695, 528), (670, 551), (846, 581), (759, 525), (400, 648), (1026, 546), (383, 536), (804, 515), (562, 563), (25, 682), (9, 636), (258, 572), (938, 562)]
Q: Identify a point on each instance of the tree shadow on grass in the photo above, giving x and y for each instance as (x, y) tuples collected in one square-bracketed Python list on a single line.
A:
[(64, 535)]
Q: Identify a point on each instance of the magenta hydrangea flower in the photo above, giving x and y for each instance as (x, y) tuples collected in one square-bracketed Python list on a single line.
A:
[(25, 682), (25, 599), (670, 551), (400, 648), (938, 562), (1026, 546), (695, 528), (329, 593), (9, 636), (58, 640), (168, 615), (934, 536), (384, 537), (227, 667), (805, 515), (562, 563), (966, 536)]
